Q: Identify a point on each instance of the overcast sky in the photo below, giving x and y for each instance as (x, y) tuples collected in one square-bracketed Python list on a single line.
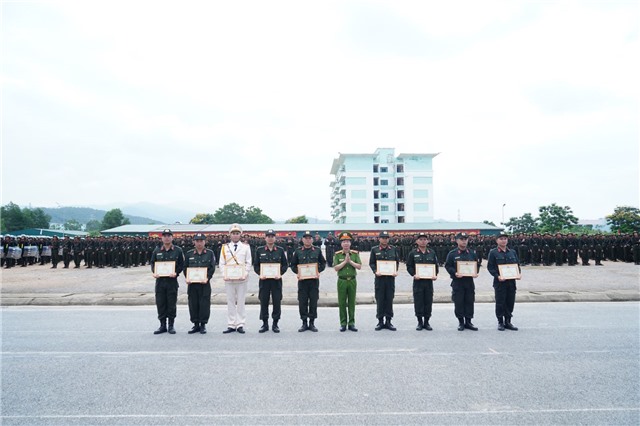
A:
[(201, 104)]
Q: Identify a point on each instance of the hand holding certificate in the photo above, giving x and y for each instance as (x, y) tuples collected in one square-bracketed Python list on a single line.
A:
[(269, 271), (308, 271), (164, 269), (386, 267), (465, 268), (234, 272), (196, 275), (426, 271), (509, 271)]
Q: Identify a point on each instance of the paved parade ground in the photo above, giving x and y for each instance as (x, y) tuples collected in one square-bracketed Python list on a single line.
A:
[(570, 363)]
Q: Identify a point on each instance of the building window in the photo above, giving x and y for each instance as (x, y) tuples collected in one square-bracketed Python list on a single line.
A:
[(376, 195), (384, 221), (376, 207), (400, 219), (384, 169), (400, 207), (384, 182), (401, 193), (400, 181), (376, 219), (384, 208), (384, 195), (375, 168), (400, 168), (375, 181)]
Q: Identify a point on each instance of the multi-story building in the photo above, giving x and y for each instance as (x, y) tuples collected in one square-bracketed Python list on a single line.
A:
[(382, 188)]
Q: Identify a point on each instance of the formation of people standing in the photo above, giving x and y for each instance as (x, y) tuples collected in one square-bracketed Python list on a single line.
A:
[(307, 261)]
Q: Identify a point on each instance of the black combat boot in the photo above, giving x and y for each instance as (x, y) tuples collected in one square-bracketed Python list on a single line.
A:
[(275, 327), (171, 330), (304, 326), (420, 325), (265, 326), (195, 328), (380, 325), (162, 328), (312, 326)]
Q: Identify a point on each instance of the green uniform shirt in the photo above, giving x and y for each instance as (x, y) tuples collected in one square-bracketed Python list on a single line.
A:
[(348, 271)]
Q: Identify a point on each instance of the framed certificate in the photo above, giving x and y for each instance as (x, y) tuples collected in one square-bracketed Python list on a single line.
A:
[(197, 275), (386, 267), (269, 270), (164, 269), (509, 271), (308, 271), (467, 268), (425, 271), (233, 272)]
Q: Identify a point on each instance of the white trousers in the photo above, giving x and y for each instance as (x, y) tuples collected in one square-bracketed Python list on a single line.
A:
[(236, 294)]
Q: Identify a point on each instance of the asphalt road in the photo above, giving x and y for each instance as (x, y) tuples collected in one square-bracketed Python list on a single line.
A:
[(570, 363)]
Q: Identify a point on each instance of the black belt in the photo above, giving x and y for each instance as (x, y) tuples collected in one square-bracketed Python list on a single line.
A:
[(347, 278)]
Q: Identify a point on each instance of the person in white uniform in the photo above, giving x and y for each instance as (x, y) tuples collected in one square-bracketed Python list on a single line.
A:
[(235, 263)]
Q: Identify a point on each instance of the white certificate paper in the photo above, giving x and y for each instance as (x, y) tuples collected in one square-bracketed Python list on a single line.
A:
[(165, 269), (425, 271), (467, 268), (308, 271), (509, 271), (269, 270), (197, 275), (233, 272), (386, 267)]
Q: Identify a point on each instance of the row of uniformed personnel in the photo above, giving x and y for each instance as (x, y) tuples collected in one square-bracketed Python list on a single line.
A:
[(307, 262)]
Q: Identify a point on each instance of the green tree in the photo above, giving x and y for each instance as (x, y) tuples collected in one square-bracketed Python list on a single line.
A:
[(93, 226), (12, 217), (15, 218), (298, 219), (114, 218), (229, 213), (524, 224), (488, 222), (624, 219), (203, 218), (72, 225), (255, 215), (555, 218)]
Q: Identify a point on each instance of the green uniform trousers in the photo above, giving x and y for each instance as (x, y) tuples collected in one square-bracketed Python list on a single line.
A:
[(347, 300)]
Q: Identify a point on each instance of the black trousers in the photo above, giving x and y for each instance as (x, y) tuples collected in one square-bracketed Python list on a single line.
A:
[(505, 293), (308, 294), (423, 298), (270, 290), (199, 297), (463, 294), (385, 289), (166, 297)]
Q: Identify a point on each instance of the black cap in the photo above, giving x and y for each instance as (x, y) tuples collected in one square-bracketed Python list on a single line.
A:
[(422, 234), (307, 234), (199, 236), (501, 234), (167, 232), (462, 235), (270, 232), (383, 234)]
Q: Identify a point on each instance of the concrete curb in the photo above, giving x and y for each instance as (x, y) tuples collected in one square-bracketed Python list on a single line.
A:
[(326, 299)]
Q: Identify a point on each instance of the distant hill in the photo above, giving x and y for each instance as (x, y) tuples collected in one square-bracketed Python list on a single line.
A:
[(85, 214)]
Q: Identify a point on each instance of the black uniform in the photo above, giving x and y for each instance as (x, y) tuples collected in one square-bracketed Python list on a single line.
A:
[(167, 287), (308, 290), (270, 288), (505, 291), (422, 288), (199, 294), (385, 285), (463, 289)]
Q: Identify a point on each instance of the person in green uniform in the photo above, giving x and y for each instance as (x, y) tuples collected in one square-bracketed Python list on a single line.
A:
[(346, 262)]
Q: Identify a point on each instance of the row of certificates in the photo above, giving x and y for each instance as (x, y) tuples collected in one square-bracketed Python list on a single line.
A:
[(310, 270)]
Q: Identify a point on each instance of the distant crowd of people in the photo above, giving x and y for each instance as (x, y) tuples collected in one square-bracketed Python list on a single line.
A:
[(132, 251)]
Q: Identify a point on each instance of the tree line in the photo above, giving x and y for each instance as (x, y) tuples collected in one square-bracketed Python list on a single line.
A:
[(235, 213), (554, 218)]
